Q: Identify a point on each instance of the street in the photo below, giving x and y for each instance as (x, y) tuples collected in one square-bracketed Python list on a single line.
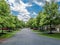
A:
[(27, 37)]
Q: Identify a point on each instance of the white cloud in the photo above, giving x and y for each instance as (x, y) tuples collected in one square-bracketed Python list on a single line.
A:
[(20, 7), (24, 17), (34, 13), (48, 0), (10, 1), (39, 3)]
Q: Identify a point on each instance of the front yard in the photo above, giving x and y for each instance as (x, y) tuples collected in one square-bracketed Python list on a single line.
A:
[(54, 35), (6, 34)]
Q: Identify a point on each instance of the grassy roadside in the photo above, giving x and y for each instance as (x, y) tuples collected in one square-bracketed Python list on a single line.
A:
[(55, 35), (8, 34)]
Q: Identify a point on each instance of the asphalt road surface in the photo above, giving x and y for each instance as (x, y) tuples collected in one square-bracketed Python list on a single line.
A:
[(27, 37)]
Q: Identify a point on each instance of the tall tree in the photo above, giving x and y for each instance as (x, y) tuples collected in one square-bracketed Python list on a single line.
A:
[(4, 11), (51, 9)]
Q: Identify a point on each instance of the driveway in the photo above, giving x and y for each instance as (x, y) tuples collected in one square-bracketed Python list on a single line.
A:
[(27, 37)]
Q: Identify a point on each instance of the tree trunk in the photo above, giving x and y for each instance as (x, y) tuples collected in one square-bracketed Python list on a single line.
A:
[(50, 29), (2, 31)]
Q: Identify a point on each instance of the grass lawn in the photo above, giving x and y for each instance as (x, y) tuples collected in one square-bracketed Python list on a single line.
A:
[(7, 34), (54, 35)]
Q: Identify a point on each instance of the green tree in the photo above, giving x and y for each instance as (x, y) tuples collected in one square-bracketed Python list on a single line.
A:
[(4, 8), (4, 11), (51, 9)]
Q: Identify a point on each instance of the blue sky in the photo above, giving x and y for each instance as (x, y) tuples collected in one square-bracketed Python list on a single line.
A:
[(25, 9)]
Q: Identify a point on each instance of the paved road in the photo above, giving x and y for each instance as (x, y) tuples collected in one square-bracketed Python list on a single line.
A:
[(27, 37)]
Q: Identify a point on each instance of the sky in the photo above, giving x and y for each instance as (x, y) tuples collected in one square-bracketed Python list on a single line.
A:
[(25, 9)]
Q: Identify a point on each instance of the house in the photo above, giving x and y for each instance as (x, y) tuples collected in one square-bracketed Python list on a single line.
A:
[(58, 28)]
